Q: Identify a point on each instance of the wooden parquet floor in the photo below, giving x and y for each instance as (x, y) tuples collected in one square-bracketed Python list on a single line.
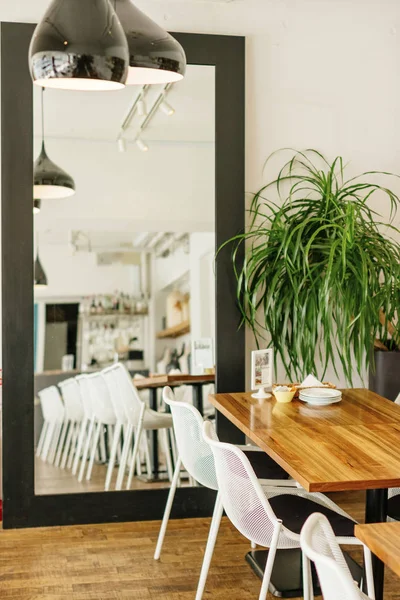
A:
[(104, 562)]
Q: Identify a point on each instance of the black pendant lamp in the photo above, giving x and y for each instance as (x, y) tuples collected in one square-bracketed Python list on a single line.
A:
[(79, 45), (40, 278), (154, 55), (36, 206), (49, 180)]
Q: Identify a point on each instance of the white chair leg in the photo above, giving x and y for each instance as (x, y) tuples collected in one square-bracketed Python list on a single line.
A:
[(270, 563), (167, 511), (113, 454), (138, 435), (167, 451), (308, 591), (369, 575), (73, 445), (102, 446), (86, 450), (212, 538), (67, 444), (42, 438), (47, 442), (147, 453), (79, 447), (61, 443), (54, 443), (124, 457), (96, 438), (171, 435)]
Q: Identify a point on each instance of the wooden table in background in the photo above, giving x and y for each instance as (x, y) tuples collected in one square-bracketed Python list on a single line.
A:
[(383, 539), (352, 445), (154, 382)]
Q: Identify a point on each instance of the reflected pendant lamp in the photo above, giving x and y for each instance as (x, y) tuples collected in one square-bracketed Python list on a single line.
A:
[(49, 180), (40, 279), (79, 45), (155, 57), (36, 206)]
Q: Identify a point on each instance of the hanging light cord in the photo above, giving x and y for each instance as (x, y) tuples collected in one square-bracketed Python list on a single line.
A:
[(42, 116)]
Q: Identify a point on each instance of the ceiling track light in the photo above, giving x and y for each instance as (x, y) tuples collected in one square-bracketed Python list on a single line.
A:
[(155, 57), (167, 108), (79, 46), (49, 180), (141, 145), (121, 145)]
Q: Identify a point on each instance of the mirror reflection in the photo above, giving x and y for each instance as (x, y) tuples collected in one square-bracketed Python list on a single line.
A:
[(124, 279)]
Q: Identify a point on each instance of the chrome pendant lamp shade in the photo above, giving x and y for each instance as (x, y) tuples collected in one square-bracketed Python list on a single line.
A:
[(40, 279), (79, 45), (154, 55), (49, 180)]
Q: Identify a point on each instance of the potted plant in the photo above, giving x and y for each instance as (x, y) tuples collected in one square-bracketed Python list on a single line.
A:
[(321, 270)]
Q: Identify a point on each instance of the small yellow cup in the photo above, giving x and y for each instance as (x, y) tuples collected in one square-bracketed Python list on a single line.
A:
[(284, 397)]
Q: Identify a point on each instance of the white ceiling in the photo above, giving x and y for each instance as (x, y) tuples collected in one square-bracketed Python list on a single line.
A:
[(98, 116)]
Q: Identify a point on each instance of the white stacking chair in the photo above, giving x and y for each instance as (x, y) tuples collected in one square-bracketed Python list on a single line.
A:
[(102, 414), (270, 517), (87, 424), (73, 418), (197, 458), (319, 545), (140, 419), (53, 415)]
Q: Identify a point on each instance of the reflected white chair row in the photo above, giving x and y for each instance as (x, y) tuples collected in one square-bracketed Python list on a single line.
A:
[(74, 426)]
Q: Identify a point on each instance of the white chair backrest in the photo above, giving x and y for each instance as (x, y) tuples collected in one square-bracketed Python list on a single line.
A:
[(242, 495), (100, 397), (319, 544), (51, 403), (195, 453), (84, 388), (397, 401), (124, 395), (72, 399)]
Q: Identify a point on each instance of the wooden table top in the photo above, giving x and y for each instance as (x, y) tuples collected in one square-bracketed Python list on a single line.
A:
[(156, 381), (352, 445), (383, 539)]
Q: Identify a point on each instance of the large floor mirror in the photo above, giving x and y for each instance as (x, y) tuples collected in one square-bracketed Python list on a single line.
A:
[(112, 291)]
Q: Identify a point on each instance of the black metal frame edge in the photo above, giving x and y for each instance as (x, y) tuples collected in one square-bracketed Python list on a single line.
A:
[(21, 507)]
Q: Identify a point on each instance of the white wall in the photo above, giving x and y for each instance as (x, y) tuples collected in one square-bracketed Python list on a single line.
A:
[(322, 73)]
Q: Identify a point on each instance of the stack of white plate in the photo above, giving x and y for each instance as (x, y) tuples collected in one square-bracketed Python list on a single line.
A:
[(320, 396)]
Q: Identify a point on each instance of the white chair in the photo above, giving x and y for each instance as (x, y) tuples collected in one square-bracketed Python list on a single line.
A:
[(53, 416), (87, 424), (72, 422), (140, 419), (197, 458), (393, 506), (319, 544), (272, 517), (102, 415)]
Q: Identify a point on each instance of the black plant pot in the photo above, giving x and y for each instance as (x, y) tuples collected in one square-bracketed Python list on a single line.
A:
[(385, 381)]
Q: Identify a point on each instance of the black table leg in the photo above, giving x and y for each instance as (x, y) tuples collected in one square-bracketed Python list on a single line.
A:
[(154, 433), (198, 397), (376, 512)]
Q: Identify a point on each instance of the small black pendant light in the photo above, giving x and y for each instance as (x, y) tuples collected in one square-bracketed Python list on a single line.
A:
[(39, 277), (49, 180), (154, 55), (79, 45), (36, 206)]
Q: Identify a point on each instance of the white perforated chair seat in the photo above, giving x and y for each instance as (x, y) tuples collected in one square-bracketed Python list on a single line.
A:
[(156, 420)]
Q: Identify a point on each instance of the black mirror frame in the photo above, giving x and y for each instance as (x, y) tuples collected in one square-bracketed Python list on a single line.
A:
[(21, 507)]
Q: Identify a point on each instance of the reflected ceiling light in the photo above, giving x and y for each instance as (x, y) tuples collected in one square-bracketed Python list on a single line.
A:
[(79, 45), (141, 145), (39, 276), (49, 180), (141, 108), (167, 108), (121, 145), (36, 206), (155, 57)]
